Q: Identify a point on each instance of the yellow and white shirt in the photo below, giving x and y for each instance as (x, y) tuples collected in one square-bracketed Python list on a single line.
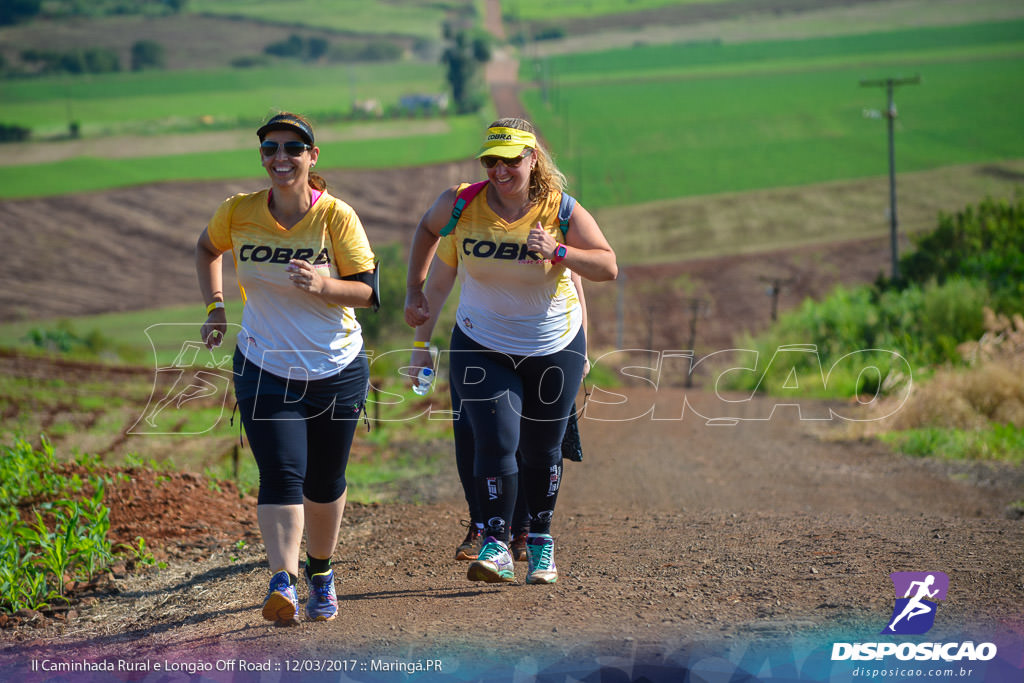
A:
[(510, 301), (283, 327)]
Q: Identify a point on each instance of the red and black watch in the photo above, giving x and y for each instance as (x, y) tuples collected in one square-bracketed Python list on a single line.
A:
[(559, 254)]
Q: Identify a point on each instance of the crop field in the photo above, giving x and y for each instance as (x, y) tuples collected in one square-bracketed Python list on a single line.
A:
[(704, 119), (709, 58), (158, 101), (385, 145), (408, 17), (134, 125), (539, 10)]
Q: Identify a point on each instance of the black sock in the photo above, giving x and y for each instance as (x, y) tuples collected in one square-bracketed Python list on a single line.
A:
[(314, 565), (541, 491), (497, 498)]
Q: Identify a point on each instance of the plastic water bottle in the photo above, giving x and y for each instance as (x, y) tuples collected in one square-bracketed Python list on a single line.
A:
[(423, 381)]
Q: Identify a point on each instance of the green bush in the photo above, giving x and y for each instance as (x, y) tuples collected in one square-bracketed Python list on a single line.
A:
[(918, 325), (464, 59), (372, 51), (550, 33), (316, 48), (93, 60), (249, 62), (13, 133), (984, 243), (15, 11), (147, 54), (292, 47), (972, 260)]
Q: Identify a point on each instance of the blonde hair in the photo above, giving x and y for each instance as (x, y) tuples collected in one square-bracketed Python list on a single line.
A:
[(545, 178)]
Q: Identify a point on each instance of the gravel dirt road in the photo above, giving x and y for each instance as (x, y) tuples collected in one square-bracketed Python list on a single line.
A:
[(679, 543), (687, 551)]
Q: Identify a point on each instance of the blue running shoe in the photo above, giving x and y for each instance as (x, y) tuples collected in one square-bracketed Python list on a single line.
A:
[(493, 565), (282, 602), (323, 601), (540, 553)]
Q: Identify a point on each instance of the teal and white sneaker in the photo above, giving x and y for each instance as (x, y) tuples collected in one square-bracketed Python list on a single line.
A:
[(282, 602), (323, 601), (493, 565), (540, 553)]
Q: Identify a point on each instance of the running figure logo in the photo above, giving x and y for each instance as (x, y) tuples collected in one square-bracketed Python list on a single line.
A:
[(917, 598)]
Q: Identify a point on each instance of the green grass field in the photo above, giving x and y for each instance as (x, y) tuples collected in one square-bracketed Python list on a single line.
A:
[(779, 114), (712, 57), (160, 101), (689, 119), (83, 174)]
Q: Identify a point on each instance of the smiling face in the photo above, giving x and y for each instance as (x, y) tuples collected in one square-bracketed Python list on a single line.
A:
[(512, 181), (287, 171)]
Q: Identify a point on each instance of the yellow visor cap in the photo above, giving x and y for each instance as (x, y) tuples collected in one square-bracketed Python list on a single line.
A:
[(507, 143)]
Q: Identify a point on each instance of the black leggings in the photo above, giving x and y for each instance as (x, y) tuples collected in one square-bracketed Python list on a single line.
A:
[(464, 455), (516, 402), (300, 432)]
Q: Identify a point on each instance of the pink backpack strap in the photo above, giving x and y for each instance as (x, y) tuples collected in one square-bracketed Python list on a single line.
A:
[(461, 201)]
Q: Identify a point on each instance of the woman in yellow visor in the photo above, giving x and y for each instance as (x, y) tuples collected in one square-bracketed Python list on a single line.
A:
[(518, 347)]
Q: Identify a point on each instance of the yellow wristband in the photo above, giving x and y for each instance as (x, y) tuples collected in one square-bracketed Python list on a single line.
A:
[(421, 345), (213, 306)]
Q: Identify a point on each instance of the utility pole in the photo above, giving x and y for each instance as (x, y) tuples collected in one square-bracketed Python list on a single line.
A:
[(697, 308), (773, 290), (620, 308), (890, 116)]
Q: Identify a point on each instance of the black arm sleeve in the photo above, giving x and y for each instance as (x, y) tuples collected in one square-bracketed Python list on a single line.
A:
[(372, 278)]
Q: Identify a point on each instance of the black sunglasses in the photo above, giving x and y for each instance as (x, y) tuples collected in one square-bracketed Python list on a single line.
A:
[(491, 162), (293, 148)]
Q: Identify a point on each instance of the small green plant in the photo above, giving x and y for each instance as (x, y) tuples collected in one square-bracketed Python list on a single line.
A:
[(138, 552), (136, 461), (212, 483), (47, 538), (240, 545), (54, 548)]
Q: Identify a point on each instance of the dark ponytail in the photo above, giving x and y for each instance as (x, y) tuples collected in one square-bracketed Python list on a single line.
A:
[(317, 182)]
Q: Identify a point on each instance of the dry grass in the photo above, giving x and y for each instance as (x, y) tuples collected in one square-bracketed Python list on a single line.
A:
[(989, 390), (748, 222)]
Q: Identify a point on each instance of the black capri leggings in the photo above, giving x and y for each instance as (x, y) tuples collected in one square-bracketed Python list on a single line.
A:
[(515, 402), (300, 432)]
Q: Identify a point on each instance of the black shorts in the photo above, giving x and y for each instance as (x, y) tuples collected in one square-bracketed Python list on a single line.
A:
[(300, 431)]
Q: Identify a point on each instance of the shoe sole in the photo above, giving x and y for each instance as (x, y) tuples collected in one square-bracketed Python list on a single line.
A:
[(321, 618), (466, 555), (280, 609), (479, 571), (541, 580)]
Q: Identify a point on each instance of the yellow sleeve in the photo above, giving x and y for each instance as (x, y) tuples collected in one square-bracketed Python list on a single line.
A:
[(352, 252), (219, 228), (446, 250)]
